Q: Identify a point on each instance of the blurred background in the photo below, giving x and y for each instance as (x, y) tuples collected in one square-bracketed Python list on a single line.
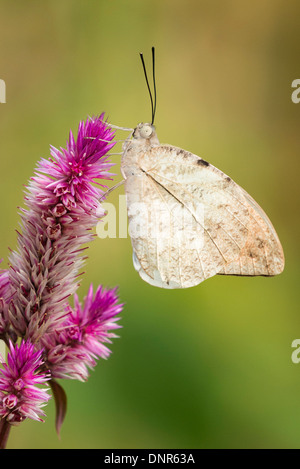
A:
[(210, 366)]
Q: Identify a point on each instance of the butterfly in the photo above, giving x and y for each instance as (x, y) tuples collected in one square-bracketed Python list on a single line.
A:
[(188, 221)]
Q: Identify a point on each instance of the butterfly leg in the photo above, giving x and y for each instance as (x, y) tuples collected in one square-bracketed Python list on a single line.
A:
[(111, 189), (107, 141), (126, 129)]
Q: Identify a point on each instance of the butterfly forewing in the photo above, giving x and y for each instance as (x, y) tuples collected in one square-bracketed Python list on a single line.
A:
[(262, 253)]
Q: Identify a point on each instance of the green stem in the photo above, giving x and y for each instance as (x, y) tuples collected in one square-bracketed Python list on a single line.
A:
[(4, 432)]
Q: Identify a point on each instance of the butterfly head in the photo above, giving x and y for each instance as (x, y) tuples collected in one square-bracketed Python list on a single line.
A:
[(145, 134)]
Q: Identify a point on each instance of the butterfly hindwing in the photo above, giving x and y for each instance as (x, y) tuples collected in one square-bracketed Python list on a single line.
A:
[(163, 251)]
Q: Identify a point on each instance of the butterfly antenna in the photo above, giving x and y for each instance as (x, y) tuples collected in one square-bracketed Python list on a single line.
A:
[(154, 84), (145, 72)]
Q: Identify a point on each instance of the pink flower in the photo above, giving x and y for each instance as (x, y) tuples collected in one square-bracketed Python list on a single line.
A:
[(81, 338), (62, 207), (20, 398), (62, 202)]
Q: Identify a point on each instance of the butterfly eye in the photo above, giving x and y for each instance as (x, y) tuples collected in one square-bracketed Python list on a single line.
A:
[(146, 131)]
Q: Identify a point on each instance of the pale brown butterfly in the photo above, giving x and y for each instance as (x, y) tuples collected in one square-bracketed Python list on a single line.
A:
[(188, 220)]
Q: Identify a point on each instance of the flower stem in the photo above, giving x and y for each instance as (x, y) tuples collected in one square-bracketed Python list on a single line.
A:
[(4, 432)]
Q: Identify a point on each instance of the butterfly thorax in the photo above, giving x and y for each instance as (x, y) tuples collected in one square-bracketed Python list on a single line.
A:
[(143, 138)]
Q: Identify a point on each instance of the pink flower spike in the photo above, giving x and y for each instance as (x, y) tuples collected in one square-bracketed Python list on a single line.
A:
[(20, 398), (81, 338), (62, 208)]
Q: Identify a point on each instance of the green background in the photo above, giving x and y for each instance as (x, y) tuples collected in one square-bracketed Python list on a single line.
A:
[(210, 366)]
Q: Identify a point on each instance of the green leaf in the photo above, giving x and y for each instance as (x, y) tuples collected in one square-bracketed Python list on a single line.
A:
[(60, 398)]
